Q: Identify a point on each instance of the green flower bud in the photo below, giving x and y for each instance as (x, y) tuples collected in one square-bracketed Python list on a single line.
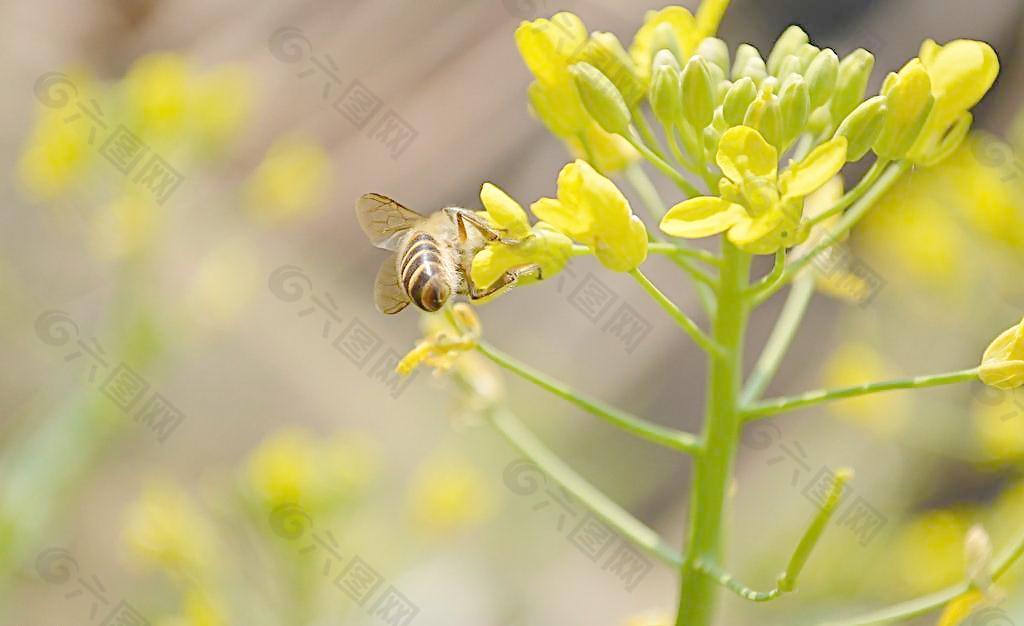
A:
[(862, 127), (665, 57), (745, 54), (820, 122), (854, 72), (711, 138), (765, 116), (789, 42), (601, 98), (821, 77), (665, 39), (737, 101), (909, 100), (790, 66), (806, 53), (664, 93), (795, 102), (721, 90), (718, 78), (715, 51), (698, 93), (604, 52)]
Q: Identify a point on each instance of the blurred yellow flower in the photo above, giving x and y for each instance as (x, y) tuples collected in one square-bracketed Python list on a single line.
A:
[(852, 363), (282, 470), (125, 226), (1000, 429), (542, 244), (957, 611), (56, 156), (219, 104), (592, 210), (223, 284), (155, 91), (760, 209), (165, 528), (448, 494), (292, 180), (293, 466), (912, 229), (929, 551), (650, 618), (1002, 364)]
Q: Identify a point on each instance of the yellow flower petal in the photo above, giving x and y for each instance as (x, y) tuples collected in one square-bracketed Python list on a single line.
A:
[(592, 210), (504, 212), (546, 247), (743, 153), (701, 217), (748, 231), (547, 46), (818, 168), (684, 27), (1002, 364), (961, 73)]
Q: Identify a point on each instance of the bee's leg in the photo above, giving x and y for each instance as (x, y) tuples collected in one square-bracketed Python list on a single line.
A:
[(461, 217), (507, 281)]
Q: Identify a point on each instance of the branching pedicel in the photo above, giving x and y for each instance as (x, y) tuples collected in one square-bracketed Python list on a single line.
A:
[(746, 141)]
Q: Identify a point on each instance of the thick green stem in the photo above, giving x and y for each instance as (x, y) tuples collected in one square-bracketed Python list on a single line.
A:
[(810, 398), (712, 472)]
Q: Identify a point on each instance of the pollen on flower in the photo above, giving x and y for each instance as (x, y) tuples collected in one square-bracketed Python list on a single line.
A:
[(447, 337)]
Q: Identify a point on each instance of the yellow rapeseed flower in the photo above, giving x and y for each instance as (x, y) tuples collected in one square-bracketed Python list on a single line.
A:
[(540, 244), (155, 92), (219, 104), (57, 155), (1002, 364), (760, 209), (929, 551), (961, 73), (448, 494), (291, 181), (683, 28), (282, 470), (164, 527), (853, 364), (591, 210)]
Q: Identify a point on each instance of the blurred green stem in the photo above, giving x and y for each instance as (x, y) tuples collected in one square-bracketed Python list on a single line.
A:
[(660, 163), (669, 437), (810, 398), (780, 339), (532, 448)]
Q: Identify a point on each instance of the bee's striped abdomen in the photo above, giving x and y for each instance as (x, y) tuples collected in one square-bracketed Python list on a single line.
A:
[(421, 270)]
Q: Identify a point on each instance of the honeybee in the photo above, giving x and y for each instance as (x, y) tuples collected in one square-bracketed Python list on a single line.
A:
[(432, 254)]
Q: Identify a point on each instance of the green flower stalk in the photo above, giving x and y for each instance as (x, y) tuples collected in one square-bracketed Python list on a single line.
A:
[(749, 143)]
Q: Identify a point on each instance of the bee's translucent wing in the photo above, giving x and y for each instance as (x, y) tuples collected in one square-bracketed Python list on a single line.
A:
[(388, 295), (383, 220)]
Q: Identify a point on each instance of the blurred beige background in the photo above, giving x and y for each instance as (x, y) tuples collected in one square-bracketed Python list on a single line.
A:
[(242, 363)]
